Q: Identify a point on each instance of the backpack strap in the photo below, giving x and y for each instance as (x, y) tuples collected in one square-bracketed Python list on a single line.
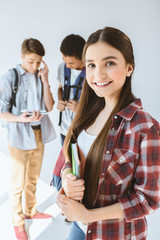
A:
[(78, 86), (66, 91), (67, 76), (15, 87)]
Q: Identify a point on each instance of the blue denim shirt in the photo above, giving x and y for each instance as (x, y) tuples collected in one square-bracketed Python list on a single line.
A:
[(21, 135)]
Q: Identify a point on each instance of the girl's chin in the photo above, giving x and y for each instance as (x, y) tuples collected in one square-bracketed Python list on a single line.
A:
[(99, 94)]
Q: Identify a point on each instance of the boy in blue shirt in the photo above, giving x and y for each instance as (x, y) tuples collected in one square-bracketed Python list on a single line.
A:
[(27, 133)]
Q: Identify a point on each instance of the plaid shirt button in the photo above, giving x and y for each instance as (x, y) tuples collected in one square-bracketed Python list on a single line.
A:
[(122, 159), (107, 151), (89, 231), (115, 117)]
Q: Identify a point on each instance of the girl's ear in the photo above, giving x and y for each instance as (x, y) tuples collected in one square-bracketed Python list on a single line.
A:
[(130, 70)]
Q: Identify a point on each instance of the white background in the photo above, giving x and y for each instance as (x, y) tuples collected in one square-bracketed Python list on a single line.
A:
[(50, 21)]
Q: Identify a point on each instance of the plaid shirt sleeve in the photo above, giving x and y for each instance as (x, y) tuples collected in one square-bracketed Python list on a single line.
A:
[(145, 198)]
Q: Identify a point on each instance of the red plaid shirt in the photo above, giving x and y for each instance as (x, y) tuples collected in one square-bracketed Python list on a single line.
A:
[(130, 175)]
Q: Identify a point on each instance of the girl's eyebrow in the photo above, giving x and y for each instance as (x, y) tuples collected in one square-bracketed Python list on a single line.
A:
[(104, 59)]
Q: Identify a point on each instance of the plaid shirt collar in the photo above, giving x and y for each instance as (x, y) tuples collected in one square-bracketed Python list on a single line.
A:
[(128, 112)]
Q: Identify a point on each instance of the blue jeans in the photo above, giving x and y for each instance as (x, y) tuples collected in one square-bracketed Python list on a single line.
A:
[(57, 182), (76, 232)]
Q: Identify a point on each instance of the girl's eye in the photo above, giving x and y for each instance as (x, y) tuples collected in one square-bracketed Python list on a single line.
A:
[(91, 65), (110, 63)]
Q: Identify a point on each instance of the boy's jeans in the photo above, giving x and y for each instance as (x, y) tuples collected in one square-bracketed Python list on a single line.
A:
[(25, 171)]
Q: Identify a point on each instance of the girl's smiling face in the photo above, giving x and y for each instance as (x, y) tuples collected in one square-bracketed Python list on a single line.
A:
[(106, 70)]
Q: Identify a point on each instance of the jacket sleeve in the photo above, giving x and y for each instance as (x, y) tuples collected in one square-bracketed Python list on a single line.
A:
[(61, 164), (6, 92), (145, 197)]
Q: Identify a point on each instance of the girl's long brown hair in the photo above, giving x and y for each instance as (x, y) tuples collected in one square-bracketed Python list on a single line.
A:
[(91, 105)]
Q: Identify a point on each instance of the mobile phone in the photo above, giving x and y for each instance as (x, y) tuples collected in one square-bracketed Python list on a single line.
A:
[(43, 112), (31, 113)]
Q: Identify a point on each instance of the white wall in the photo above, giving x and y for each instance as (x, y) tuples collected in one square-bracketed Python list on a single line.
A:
[(50, 21)]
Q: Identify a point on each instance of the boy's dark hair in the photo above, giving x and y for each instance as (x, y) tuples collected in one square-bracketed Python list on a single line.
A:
[(72, 45), (32, 45)]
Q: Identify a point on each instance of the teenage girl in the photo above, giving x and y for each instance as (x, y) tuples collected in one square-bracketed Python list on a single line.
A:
[(119, 148)]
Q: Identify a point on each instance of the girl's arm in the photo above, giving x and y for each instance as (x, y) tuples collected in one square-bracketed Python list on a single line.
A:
[(75, 211)]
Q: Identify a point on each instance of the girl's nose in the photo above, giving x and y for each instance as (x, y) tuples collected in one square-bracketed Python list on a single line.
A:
[(100, 74)]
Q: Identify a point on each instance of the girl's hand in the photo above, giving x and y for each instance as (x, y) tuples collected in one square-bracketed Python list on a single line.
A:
[(73, 187), (73, 210)]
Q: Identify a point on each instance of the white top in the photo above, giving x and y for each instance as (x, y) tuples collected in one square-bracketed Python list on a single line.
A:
[(67, 115), (85, 141)]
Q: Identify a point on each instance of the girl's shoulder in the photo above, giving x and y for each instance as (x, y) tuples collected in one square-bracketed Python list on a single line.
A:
[(143, 121)]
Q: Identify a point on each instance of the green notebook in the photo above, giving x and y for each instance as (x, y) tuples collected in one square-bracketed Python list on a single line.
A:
[(75, 160)]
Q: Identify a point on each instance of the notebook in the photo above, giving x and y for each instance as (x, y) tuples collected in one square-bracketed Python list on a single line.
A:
[(75, 160)]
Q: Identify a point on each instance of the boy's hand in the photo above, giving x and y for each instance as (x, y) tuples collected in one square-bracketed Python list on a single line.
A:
[(73, 187), (36, 116), (61, 105), (72, 105), (43, 73)]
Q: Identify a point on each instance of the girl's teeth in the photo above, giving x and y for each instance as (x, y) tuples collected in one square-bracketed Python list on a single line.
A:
[(101, 84)]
